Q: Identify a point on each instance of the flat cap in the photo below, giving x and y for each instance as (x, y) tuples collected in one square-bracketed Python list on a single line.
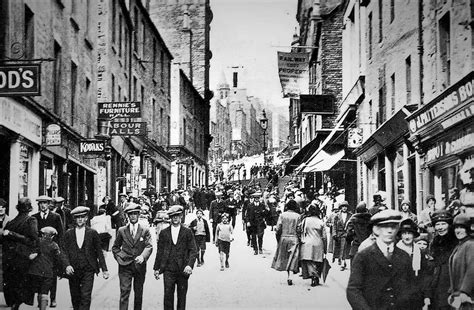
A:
[(442, 216), (80, 210), (386, 217), (49, 230), (58, 199), (175, 210), (132, 208), (257, 194), (44, 198), (218, 193)]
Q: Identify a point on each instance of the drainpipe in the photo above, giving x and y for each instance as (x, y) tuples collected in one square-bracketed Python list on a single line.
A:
[(420, 47)]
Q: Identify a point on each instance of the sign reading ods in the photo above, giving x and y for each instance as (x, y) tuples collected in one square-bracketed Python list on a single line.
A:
[(20, 80)]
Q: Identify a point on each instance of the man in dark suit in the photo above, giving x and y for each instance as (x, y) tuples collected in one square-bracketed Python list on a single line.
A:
[(131, 249), (64, 213), (255, 219), (84, 257), (216, 209), (381, 274), (48, 218), (175, 257)]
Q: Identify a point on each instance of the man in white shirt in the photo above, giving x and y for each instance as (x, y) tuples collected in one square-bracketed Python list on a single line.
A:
[(175, 257), (381, 275)]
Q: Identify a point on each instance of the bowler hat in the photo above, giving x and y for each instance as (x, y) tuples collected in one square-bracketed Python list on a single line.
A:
[(80, 210), (49, 230), (386, 217), (132, 208), (442, 216), (408, 225), (175, 210), (44, 198), (58, 199)]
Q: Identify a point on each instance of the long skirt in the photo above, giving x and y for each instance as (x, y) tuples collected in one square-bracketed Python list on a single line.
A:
[(311, 269)]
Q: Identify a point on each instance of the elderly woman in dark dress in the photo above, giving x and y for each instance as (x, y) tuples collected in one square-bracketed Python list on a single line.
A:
[(286, 255), (20, 247)]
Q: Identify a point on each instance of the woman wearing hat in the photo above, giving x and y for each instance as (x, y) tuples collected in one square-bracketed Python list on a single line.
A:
[(20, 246), (461, 265), (441, 248)]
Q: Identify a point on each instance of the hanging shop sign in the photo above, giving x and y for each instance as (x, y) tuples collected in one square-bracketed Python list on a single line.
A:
[(293, 70), (87, 147), (53, 135), (354, 137), (128, 129), (459, 94), (20, 80), (20, 119), (119, 109), (453, 144)]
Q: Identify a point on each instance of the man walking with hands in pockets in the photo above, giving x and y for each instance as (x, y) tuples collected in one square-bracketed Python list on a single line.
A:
[(131, 249), (175, 257)]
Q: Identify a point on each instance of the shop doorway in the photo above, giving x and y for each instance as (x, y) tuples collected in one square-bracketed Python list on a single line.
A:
[(5, 169)]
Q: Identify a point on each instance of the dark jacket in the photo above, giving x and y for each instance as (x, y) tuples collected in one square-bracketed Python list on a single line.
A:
[(358, 229), (256, 215), (126, 248), (91, 244), (376, 283), (20, 242), (186, 251), (48, 260), (66, 217), (52, 220), (216, 209), (461, 268), (193, 225)]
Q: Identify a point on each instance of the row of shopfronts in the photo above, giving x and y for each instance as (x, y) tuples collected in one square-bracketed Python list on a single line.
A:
[(415, 153)]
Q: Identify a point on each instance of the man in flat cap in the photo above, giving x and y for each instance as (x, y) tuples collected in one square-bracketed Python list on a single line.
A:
[(131, 249), (48, 218), (175, 257), (84, 257), (381, 274), (216, 209), (63, 211), (255, 219)]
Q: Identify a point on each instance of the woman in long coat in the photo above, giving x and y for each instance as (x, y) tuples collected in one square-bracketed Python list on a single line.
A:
[(20, 246), (4, 219), (461, 265), (286, 255), (313, 245)]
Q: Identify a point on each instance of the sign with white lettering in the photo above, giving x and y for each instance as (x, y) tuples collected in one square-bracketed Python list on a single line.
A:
[(459, 94), (119, 109), (128, 129), (293, 69), (91, 147), (20, 80), (452, 145), (53, 135), (459, 116)]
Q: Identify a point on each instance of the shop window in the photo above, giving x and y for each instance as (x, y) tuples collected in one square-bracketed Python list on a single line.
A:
[(400, 177), (381, 172), (25, 170)]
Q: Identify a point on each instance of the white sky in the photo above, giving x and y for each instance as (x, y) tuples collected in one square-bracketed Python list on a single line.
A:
[(249, 33)]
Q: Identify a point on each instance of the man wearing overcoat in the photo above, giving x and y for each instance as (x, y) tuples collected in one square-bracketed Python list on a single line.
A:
[(216, 209), (131, 249), (84, 257), (175, 257), (381, 274)]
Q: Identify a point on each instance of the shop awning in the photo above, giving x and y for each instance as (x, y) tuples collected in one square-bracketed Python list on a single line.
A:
[(324, 161), (305, 152)]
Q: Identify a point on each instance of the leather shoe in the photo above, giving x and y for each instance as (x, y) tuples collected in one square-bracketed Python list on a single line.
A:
[(255, 253), (289, 281), (315, 281), (53, 304)]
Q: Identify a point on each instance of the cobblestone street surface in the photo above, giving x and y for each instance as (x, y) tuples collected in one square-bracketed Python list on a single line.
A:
[(249, 283)]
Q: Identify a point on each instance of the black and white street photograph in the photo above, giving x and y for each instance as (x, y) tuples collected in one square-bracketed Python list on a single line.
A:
[(237, 154)]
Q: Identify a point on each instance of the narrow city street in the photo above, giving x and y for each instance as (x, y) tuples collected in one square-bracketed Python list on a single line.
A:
[(249, 283)]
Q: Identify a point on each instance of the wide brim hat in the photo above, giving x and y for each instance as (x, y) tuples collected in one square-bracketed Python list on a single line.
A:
[(408, 225), (80, 210), (58, 199), (175, 210), (463, 220), (49, 230), (132, 208), (44, 198), (441, 216), (386, 217)]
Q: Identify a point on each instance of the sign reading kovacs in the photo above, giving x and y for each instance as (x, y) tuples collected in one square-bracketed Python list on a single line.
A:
[(91, 147), (20, 80), (119, 109)]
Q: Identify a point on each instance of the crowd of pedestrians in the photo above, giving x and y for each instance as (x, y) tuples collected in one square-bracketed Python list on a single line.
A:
[(396, 259)]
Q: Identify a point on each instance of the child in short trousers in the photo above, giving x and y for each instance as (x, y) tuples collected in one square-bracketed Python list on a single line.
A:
[(224, 236)]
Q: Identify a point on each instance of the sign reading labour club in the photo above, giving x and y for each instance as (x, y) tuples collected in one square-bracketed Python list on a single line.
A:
[(119, 109), (20, 80), (91, 147), (128, 129)]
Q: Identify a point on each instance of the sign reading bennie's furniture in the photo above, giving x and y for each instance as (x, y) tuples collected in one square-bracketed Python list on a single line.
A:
[(20, 80), (119, 109)]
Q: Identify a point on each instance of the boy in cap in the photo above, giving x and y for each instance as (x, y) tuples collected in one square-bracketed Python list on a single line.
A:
[(175, 257), (381, 274), (43, 268), (84, 257), (201, 234), (131, 249)]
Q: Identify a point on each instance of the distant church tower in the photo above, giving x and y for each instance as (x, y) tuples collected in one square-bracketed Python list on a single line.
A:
[(223, 87)]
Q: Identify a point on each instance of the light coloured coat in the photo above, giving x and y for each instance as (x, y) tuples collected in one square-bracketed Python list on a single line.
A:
[(313, 239)]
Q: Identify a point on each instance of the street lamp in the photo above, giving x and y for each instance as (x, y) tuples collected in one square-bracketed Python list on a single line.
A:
[(264, 125)]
